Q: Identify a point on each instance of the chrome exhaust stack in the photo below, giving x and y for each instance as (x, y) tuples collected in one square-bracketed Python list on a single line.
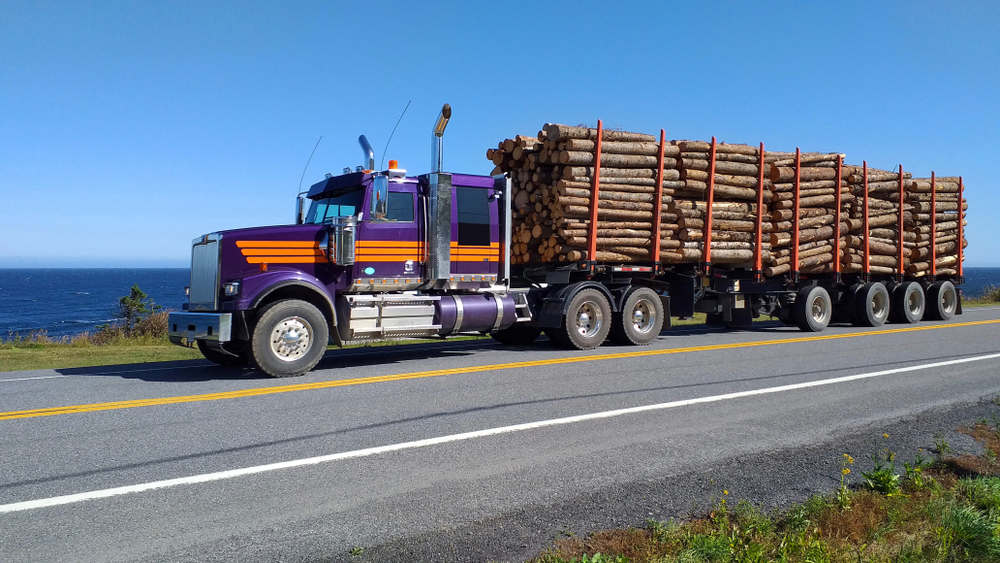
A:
[(439, 210), (437, 139), (369, 162)]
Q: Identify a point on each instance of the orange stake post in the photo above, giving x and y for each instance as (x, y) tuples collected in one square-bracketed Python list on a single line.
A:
[(595, 193), (933, 226), (899, 233), (867, 232), (795, 215), (961, 217), (657, 205), (707, 253), (759, 234), (836, 220)]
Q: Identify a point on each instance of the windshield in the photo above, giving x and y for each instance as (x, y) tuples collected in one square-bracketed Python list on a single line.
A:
[(346, 202)]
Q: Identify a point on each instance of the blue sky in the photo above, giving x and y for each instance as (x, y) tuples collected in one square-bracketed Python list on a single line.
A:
[(129, 128)]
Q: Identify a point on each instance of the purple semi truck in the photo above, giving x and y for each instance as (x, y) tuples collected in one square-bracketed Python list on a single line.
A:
[(380, 255)]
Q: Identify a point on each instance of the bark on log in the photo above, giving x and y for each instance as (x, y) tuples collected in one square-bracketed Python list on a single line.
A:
[(557, 132)]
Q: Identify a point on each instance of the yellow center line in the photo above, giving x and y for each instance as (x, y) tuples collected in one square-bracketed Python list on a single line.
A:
[(53, 411)]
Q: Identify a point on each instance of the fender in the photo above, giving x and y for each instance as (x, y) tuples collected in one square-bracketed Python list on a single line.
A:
[(257, 288), (556, 304)]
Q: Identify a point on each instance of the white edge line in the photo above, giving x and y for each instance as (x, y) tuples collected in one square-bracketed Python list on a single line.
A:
[(32, 378), (206, 477)]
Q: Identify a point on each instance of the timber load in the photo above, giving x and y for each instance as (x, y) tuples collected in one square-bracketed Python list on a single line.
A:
[(671, 202)]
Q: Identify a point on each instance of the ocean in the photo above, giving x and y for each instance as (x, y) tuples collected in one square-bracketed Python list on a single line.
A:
[(64, 302)]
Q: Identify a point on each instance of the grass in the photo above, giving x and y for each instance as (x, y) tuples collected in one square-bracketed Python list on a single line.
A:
[(929, 510)]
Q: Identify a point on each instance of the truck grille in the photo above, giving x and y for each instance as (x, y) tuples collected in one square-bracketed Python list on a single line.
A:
[(205, 273)]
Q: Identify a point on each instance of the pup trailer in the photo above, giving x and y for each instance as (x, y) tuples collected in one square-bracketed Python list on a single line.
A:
[(379, 255)]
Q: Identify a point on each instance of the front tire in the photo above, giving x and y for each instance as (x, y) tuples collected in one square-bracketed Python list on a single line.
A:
[(587, 322), (907, 303), (942, 301), (641, 319), (289, 338), (813, 309)]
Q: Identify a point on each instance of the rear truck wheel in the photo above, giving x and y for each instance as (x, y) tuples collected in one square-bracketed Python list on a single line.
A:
[(640, 320), (942, 301), (289, 338), (587, 322), (517, 335), (227, 354), (813, 309), (871, 305), (907, 303)]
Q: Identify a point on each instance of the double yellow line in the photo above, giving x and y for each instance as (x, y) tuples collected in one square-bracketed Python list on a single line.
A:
[(74, 409)]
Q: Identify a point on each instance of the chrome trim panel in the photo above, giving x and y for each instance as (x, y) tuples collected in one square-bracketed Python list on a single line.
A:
[(459, 313), (498, 299), (439, 229), (184, 328)]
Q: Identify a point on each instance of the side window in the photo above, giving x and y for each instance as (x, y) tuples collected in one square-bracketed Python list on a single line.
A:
[(399, 207), (473, 216)]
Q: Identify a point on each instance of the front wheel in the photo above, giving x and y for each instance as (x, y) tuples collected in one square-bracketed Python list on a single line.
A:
[(813, 309), (289, 338), (641, 319)]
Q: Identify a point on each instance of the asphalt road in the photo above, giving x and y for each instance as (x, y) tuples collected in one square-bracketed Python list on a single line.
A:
[(464, 451)]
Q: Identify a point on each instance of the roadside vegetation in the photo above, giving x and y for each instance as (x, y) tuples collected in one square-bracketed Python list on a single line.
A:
[(989, 296), (933, 508)]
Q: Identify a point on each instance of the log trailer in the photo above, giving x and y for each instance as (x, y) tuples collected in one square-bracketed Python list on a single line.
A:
[(380, 255)]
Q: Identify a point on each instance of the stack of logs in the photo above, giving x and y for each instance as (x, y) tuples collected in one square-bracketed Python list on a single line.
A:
[(552, 188)]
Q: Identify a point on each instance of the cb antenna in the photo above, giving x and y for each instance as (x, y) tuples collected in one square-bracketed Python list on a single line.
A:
[(307, 163), (393, 133)]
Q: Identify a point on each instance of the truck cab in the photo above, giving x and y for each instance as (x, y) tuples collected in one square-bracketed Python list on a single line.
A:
[(373, 255)]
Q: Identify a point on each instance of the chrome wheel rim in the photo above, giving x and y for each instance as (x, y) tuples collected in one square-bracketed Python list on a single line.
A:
[(589, 320), (290, 339), (880, 305), (643, 316), (819, 310), (949, 301)]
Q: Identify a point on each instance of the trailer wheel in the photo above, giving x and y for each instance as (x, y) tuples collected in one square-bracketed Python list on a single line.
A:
[(517, 335), (907, 303), (871, 305), (289, 338), (813, 309), (942, 301), (228, 354), (640, 320), (587, 322)]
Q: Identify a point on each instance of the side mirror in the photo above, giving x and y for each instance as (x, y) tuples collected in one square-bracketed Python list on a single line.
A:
[(380, 195)]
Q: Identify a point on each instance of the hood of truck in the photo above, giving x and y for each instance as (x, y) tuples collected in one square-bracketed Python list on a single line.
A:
[(263, 256)]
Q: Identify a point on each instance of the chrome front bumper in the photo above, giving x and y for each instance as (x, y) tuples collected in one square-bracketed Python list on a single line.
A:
[(184, 328)]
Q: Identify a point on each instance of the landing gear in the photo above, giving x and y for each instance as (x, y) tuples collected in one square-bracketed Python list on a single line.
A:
[(289, 338)]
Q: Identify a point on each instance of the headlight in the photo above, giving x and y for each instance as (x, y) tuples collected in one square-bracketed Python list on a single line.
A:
[(231, 289)]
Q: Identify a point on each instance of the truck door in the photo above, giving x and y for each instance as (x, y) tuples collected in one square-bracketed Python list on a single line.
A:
[(475, 235), (389, 251)]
